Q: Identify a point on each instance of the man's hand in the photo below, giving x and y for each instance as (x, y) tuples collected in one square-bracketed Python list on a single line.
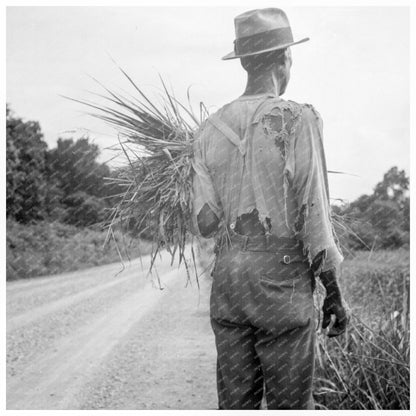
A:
[(333, 305)]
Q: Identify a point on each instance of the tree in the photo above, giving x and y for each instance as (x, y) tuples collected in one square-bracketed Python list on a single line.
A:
[(77, 181), (83, 210), (393, 187), (65, 183), (25, 169), (73, 166), (381, 220)]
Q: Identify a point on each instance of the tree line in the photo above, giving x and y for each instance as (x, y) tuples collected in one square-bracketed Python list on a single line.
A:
[(67, 184), (378, 220)]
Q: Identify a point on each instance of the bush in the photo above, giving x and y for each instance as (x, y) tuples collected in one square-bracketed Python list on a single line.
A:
[(47, 248)]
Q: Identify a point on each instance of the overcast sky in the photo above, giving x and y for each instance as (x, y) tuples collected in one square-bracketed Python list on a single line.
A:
[(354, 70)]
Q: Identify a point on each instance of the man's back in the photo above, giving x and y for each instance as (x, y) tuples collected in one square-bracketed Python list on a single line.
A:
[(275, 165)]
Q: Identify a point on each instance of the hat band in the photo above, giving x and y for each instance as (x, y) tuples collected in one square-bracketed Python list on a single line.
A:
[(263, 40)]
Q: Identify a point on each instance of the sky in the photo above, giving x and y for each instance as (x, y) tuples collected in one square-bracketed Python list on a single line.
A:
[(354, 70)]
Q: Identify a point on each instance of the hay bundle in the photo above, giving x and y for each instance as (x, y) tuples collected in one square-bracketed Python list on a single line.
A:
[(156, 182)]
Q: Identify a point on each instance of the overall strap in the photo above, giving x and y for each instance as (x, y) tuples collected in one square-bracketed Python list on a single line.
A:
[(230, 134), (241, 144)]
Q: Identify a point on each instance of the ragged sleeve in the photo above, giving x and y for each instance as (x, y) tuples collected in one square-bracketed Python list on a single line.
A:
[(310, 182), (203, 191)]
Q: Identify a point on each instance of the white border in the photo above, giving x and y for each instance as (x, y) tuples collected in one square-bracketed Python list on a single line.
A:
[(228, 3)]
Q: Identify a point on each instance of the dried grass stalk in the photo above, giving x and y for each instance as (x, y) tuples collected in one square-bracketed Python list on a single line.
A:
[(156, 139)]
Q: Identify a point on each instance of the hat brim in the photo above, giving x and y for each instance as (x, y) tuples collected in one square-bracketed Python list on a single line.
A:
[(232, 55)]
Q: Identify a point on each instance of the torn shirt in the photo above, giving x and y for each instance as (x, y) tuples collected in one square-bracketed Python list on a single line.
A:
[(262, 152)]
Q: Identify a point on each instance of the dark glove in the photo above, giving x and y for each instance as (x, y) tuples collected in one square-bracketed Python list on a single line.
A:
[(333, 305)]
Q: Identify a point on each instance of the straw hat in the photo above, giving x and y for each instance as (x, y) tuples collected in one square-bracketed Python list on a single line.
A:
[(262, 30)]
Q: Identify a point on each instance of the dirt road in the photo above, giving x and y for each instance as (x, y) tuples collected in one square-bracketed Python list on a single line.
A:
[(95, 339)]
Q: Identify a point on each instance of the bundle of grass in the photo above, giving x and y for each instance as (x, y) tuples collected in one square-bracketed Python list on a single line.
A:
[(156, 182)]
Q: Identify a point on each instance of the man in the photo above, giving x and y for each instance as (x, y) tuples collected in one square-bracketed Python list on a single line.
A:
[(260, 186)]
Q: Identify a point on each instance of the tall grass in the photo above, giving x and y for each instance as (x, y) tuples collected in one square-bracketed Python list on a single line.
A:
[(368, 367)]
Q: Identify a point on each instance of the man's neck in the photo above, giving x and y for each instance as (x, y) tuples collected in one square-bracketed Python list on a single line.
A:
[(266, 83)]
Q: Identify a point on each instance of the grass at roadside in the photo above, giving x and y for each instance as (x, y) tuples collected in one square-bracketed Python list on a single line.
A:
[(368, 367), (49, 248)]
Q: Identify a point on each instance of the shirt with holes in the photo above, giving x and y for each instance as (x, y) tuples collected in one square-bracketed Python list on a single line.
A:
[(262, 152)]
